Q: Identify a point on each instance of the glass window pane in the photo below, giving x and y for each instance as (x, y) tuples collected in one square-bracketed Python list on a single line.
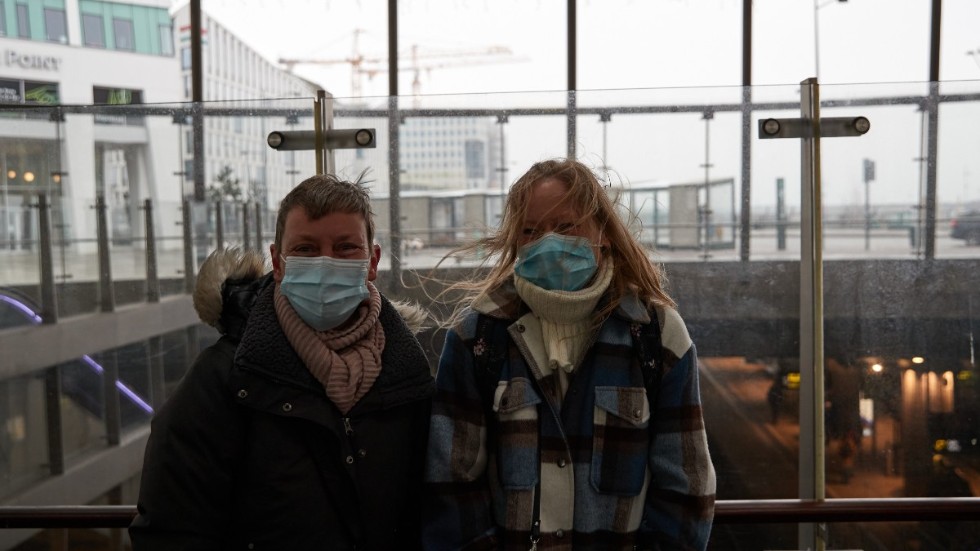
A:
[(123, 33), (55, 26), (23, 21), (93, 30), (166, 40)]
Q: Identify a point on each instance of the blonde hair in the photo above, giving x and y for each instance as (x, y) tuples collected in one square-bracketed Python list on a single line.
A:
[(634, 271)]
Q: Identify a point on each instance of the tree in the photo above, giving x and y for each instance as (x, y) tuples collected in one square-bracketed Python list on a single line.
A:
[(226, 187)]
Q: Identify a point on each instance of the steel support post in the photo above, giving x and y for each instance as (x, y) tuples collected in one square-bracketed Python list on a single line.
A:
[(49, 300), (107, 299), (152, 275), (811, 484)]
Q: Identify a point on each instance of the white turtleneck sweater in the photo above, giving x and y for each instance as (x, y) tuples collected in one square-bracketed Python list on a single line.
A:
[(566, 321)]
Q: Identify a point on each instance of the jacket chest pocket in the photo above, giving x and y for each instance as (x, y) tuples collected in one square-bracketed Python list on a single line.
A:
[(516, 407), (621, 440)]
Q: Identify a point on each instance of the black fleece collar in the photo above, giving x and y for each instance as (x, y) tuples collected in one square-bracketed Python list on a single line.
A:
[(264, 350)]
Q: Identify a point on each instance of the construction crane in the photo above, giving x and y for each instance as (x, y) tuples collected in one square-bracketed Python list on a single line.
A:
[(371, 66), (355, 60), (466, 58)]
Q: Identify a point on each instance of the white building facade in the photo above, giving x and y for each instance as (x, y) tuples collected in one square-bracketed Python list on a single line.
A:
[(89, 52)]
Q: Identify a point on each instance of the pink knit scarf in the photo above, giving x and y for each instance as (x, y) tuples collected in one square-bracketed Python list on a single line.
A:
[(346, 360)]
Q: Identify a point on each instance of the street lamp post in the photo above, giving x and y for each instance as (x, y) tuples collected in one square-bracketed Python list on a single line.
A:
[(816, 33), (869, 176)]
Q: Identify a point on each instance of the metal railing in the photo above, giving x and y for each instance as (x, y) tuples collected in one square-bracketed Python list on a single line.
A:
[(749, 511)]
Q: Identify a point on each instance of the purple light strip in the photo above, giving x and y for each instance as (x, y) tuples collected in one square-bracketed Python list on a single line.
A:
[(22, 307), (130, 393), (133, 396)]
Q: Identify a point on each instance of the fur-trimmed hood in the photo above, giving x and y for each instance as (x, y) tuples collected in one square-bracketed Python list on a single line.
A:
[(230, 279)]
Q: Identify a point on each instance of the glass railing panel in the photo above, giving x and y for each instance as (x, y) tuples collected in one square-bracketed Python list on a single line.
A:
[(23, 440), (169, 233), (75, 255), (134, 385), (958, 173), (29, 152), (680, 144), (901, 377), (83, 404), (90, 401), (20, 265)]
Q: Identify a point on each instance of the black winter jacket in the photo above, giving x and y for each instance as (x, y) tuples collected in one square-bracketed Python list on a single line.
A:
[(249, 453)]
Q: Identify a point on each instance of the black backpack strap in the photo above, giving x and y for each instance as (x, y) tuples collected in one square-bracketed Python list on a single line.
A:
[(649, 346), (489, 351)]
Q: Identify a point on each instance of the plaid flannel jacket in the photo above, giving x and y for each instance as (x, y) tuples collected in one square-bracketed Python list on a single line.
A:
[(612, 474)]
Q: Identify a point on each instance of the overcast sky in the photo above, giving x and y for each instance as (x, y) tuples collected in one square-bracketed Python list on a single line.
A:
[(664, 48)]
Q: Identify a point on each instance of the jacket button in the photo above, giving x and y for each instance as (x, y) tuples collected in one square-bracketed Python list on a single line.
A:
[(520, 328), (362, 453), (637, 413), (562, 463), (350, 460), (243, 393), (287, 407), (560, 533)]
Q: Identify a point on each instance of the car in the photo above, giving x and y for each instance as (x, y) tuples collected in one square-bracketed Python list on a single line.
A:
[(966, 226)]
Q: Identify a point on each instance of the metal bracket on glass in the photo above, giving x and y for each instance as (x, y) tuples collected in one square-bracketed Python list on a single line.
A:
[(830, 127), (298, 140)]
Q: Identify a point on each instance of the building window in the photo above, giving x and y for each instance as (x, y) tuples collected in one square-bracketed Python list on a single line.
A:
[(166, 40), (93, 32), (116, 96), (3, 20), (123, 32), (185, 59), (41, 93), (55, 25), (475, 159), (23, 21), (10, 91)]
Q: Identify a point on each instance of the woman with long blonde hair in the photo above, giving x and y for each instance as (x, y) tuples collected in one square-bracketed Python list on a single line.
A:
[(567, 412)]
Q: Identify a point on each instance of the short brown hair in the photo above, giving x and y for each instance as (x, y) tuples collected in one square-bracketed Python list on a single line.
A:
[(324, 194)]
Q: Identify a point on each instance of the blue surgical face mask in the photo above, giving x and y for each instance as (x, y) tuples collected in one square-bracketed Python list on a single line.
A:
[(324, 291), (557, 262)]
